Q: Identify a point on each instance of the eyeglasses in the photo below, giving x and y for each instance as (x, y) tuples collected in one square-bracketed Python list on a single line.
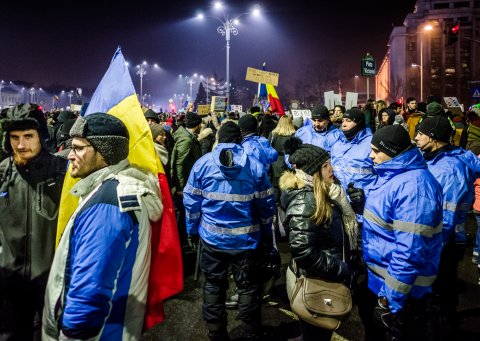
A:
[(79, 149)]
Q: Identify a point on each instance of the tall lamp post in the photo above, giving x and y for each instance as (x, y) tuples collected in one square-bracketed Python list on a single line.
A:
[(32, 94), (1, 98), (70, 95), (226, 29), (426, 28), (355, 81), (142, 71)]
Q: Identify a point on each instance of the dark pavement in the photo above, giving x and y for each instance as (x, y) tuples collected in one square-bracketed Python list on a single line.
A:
[(184, 317)]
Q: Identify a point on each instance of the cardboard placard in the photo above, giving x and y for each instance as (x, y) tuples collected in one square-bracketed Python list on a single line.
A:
[(260, 76)]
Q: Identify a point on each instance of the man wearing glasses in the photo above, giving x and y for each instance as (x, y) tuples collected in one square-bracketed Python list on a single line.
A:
[(97, 288), (31, 182)]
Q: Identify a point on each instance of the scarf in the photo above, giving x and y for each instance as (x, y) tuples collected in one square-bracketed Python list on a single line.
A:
[(349, 218)]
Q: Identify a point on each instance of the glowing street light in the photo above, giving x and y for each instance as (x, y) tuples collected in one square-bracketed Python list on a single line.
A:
[(426, 28), (227, 28), (355, 80), (142, 71)]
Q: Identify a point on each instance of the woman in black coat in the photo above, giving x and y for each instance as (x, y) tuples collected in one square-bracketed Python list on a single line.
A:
[(322, 225)]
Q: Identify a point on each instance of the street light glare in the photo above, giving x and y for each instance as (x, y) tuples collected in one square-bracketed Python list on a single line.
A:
[(236, 21), (217, 5), (200, 16), (428, 27), (256, 11)]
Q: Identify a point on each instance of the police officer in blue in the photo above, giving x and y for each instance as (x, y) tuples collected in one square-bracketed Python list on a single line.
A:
[(229, 203), (456, 170), (322, 133), (402, 239)]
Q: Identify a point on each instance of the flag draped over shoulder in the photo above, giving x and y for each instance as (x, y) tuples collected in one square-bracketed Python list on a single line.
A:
[(115, 95)]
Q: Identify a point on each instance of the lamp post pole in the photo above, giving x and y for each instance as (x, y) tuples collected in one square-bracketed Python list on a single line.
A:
[(1, 98), (225, 30), (70, 95), (355, 81), (191, 82), (425, 28), (142, 70)]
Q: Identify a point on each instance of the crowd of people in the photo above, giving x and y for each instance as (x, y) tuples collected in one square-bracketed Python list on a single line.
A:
[(375, 198)]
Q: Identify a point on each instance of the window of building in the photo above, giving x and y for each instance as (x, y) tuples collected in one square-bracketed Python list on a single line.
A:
[(441, 5), (461, 4)]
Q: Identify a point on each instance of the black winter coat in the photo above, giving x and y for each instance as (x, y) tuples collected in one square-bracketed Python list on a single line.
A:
[(316, 249)]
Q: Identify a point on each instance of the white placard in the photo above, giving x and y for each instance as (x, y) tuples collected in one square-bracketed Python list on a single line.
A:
[(338, 99), (351, 100), (329, 99), (301, 113), (236, 107)]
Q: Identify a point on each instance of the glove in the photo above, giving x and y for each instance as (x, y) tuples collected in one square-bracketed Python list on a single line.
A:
[(193, 241), (392, 323), (357, 198)]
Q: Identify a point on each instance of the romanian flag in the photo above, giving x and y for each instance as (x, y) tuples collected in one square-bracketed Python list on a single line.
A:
[(115, 95), (274, 101)]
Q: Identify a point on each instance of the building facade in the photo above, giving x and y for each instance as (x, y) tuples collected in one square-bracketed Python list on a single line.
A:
[(421, 61)]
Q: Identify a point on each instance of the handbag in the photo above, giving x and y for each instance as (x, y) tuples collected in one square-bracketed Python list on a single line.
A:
[(320, 302)]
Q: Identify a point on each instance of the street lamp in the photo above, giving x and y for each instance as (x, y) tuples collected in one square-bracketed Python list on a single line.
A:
[(426, 28), (142, 71), (190, 81), (32, 95), (208, 85), (355, 81), (1, 98), (70, 95), (226, 29)]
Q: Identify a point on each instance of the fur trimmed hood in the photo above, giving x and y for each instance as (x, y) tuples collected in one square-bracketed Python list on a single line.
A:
[(290, 181)]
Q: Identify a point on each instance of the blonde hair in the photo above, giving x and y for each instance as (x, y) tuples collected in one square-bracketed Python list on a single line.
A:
[(284, 127), (323, 203)]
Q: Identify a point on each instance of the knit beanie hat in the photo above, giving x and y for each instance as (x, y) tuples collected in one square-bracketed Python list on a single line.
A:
[(24, 117), (156, 130), (152, 115), (192, 120), (229, 132), (306, 157), (434, 109), (437, 127), (107, 134), (248, 123), (354, 114), (392, 140), (320, 112)]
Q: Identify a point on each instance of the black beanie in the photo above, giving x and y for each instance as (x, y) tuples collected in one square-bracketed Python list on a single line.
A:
[(229, 132), (248, 123), (192, 120), (107, 134), (355, 114), (320, 112), (306, 157), (437, 127), (392, 140)]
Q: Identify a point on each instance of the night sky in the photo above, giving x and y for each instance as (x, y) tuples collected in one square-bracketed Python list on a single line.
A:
[(49, 42)]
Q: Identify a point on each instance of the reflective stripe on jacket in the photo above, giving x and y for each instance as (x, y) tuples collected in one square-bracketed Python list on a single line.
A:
[(230, 207), (325, 139), (402, 228)]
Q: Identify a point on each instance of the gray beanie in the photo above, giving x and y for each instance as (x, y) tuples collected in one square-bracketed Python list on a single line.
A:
[(107, 134)]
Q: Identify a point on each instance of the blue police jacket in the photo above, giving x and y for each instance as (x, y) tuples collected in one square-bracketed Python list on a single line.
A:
[(351, 161), (402, 227), (456, 170), (325, 139), (260, 148), (230, 206)]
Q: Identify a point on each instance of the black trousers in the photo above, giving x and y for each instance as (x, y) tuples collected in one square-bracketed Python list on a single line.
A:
[(20, 301), (214, 263), (418, 320)]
